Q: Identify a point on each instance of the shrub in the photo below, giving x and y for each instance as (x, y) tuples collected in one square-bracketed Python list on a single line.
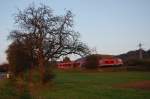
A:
[(25, 94), (91, 62), (48, 76), (8, 90), (138, 62)]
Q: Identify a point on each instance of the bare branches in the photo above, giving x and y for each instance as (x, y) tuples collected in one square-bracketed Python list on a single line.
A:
[(52, 34)]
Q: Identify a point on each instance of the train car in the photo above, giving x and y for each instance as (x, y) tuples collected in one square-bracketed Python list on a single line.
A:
[(65, 65), (110, 62), (68, 65), (4, 67)]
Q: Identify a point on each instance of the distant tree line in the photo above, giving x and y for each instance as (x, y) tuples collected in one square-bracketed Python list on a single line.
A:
[(131, 58)]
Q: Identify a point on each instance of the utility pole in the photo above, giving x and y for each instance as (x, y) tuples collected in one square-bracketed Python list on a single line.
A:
[(140, 51)]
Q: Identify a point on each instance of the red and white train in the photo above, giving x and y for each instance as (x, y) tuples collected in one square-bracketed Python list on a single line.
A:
[(105, 62)]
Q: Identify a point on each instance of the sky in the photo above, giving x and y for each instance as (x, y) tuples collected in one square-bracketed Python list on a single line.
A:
[(109, 26)]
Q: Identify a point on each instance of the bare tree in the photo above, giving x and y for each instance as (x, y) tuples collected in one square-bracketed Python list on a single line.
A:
[(47, 36)]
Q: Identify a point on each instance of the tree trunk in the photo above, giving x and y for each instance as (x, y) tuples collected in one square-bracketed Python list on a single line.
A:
[(31, 74), (42, 66)]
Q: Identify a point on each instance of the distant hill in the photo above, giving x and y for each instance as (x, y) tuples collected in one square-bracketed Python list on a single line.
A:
[(134, 55), (100, 56)]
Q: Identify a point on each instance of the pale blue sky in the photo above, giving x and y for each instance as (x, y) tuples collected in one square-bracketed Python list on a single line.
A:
[(112, 26)]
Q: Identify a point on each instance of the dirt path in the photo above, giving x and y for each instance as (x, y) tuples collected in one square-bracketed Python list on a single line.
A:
[(145, 85)]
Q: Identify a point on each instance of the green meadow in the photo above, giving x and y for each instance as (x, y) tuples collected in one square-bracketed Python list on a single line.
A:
[(89, 85), (95, 85)]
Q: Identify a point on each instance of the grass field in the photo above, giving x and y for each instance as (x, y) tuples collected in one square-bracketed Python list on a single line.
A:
[(95, 85)]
